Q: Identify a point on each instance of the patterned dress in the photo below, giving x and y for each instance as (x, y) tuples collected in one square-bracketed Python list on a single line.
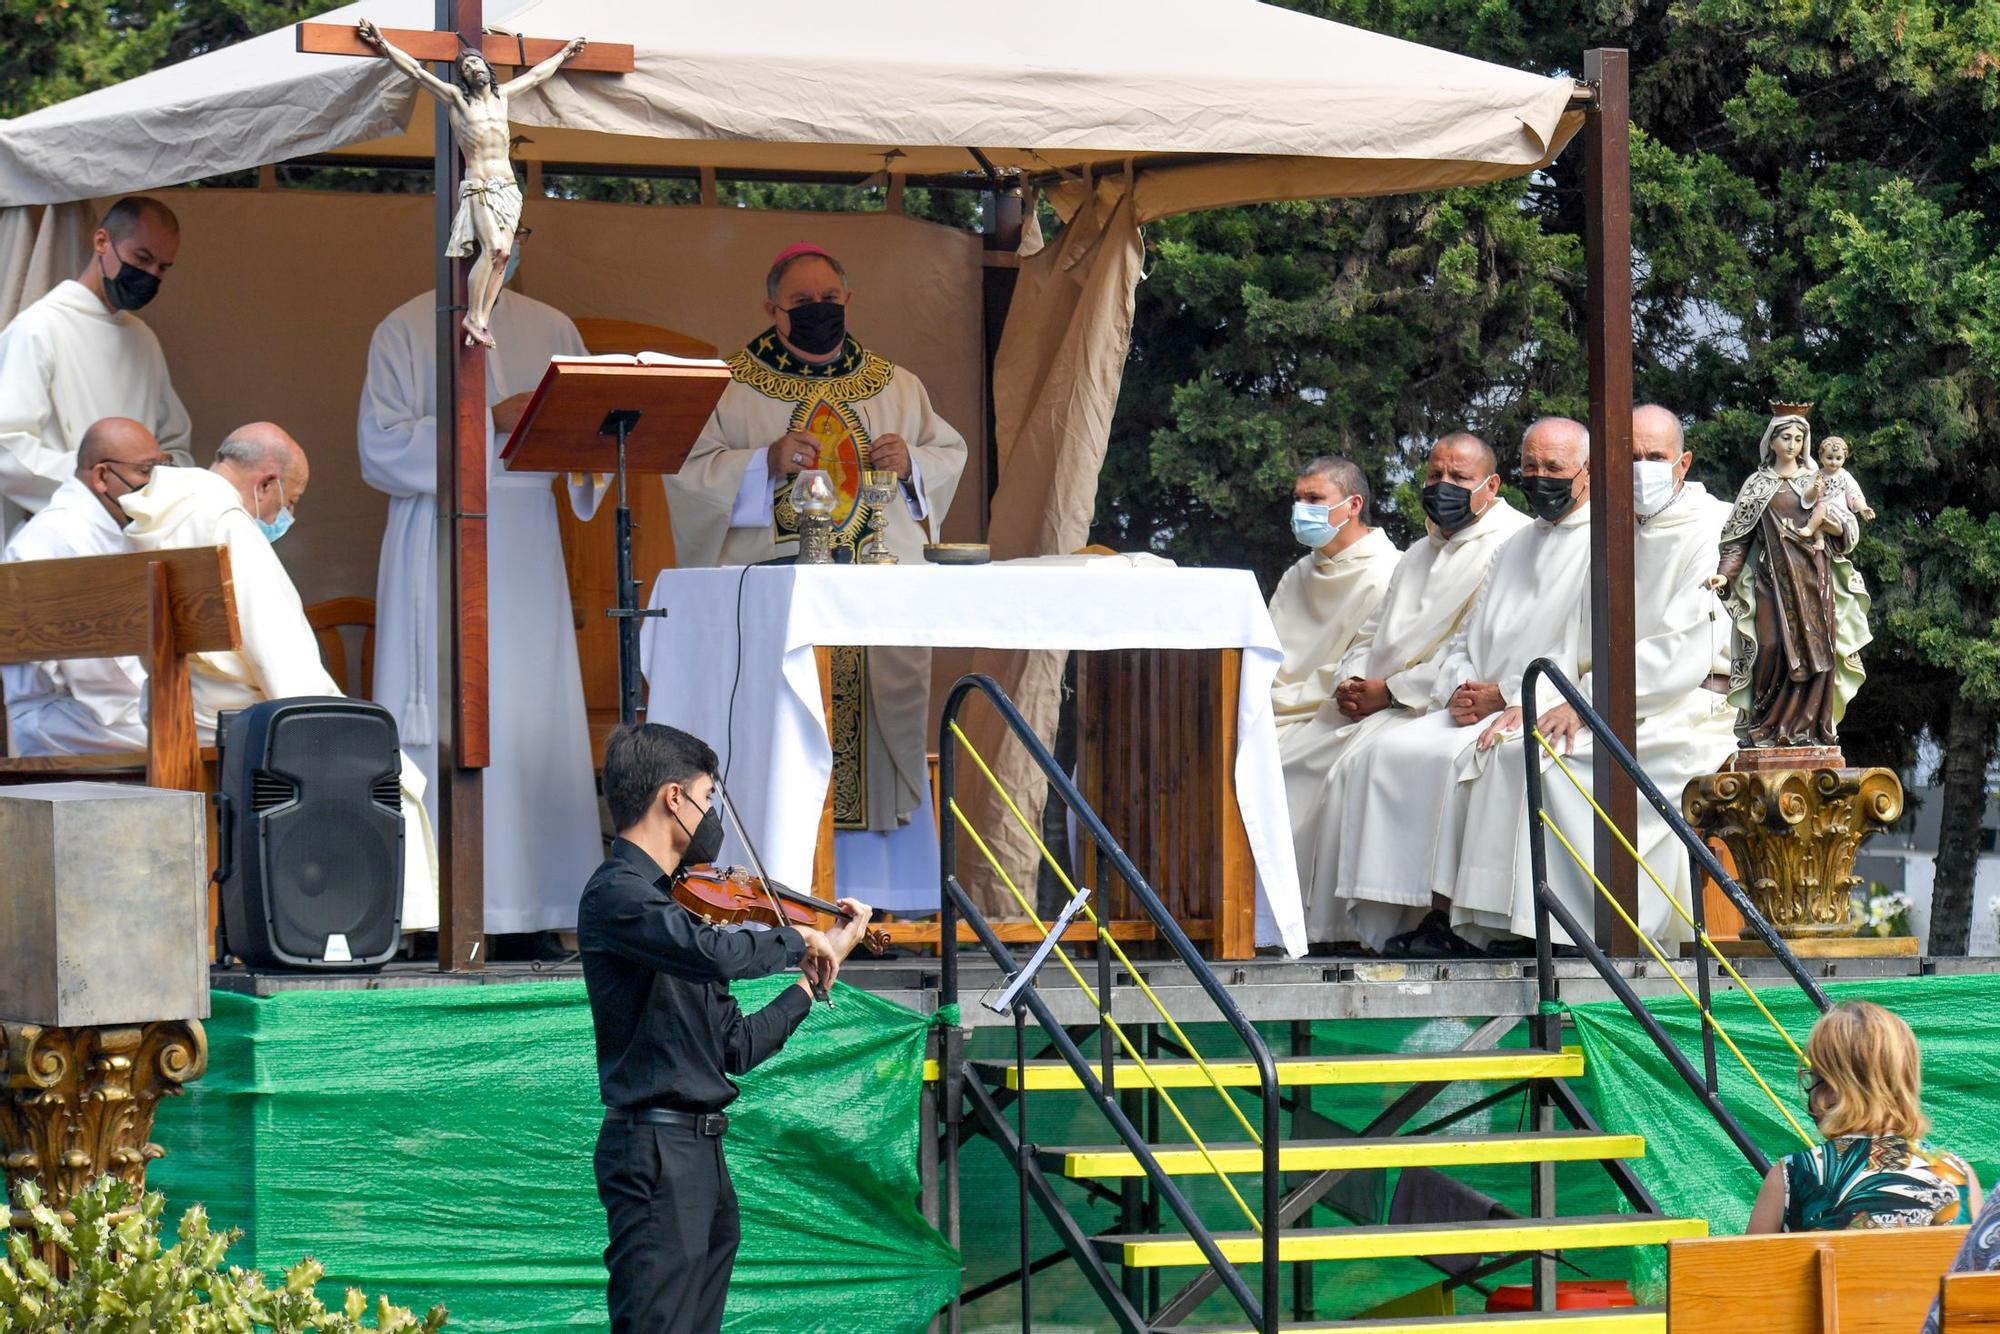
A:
[(1979, 1254), (1866, 1181)]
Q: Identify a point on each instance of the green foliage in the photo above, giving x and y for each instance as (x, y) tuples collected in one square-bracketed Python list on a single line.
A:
[(123, 1281)]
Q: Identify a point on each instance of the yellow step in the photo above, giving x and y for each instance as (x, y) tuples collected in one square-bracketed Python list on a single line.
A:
[(1493, 1236), (1626, 1320), (1323, 1155), (1296, 1071)]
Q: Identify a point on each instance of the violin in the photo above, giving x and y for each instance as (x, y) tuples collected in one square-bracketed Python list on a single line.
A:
[(727, 895)]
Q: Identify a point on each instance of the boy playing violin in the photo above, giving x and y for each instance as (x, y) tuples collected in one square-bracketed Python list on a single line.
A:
[(669, 1034)]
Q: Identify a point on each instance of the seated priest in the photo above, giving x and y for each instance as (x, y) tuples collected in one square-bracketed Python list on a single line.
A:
[(805, 394), (1404, 806), (540, 830), (1320, 605), (1388, 675), (79, 355), (246, 502), (83, 706), (1685, 728)]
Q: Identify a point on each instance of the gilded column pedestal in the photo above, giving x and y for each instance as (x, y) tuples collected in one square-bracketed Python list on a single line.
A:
[(79, 1102), (1793, 834)]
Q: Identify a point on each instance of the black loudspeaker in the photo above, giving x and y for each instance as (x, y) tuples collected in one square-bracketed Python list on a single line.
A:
[(309, 804)]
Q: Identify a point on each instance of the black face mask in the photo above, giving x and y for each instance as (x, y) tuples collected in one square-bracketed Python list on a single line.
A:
[(704, 840), (1448, 505), (129, 288), (817, 327), (1548, 497)]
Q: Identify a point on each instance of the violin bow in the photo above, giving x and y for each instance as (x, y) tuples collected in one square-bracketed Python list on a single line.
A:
[(820, 993)]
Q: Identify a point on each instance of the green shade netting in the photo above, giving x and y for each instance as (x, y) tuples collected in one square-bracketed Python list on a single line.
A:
[(1690, 1166), (435, 1145)]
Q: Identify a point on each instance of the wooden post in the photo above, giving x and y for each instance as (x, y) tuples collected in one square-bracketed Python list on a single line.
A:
[(1608, 252), (460, 710), (1235, 891), (822, 881)]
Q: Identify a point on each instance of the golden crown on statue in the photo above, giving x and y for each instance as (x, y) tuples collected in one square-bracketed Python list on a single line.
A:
[(1782, 409)]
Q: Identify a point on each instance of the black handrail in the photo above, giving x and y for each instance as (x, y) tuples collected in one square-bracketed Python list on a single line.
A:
[(1548, 905), (954, 902)]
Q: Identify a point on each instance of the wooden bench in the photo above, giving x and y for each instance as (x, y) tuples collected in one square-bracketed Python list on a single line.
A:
[(159, 606), (1859, 1282), (1969, 1303)]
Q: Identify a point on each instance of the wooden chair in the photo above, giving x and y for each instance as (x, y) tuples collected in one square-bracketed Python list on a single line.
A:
[(1860, 1282), (1969, 1303), (589, 554), (327, 619)]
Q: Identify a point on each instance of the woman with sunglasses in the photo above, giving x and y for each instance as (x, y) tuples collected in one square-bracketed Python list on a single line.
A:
[(1863, 1084)]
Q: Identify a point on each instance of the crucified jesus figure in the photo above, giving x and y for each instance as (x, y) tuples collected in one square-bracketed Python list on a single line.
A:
[(489, 200)]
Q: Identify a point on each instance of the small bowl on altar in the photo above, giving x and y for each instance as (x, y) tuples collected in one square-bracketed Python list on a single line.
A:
[(958, 553)]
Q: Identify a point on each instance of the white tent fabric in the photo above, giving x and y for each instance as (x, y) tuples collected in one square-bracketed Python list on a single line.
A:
[(1291, 106)]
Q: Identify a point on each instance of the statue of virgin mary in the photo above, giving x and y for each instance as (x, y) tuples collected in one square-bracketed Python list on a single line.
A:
[(1799, 606)]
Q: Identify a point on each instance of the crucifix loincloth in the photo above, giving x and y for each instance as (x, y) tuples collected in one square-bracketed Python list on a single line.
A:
[(502, 198)]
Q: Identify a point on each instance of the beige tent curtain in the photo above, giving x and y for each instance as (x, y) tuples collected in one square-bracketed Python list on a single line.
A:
[(39, 247), (1055, 383)]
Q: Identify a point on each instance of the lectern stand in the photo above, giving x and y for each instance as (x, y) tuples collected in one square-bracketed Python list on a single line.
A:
[(617, 414)]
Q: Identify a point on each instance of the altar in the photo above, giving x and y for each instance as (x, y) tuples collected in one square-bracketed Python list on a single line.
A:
[(735, 662)]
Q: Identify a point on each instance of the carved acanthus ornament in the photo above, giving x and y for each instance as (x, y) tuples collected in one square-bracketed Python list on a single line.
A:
[(1793, 834), (79, 1102)]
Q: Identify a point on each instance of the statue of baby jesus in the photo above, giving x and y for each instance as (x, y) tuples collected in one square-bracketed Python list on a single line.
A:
[(1833, 487)]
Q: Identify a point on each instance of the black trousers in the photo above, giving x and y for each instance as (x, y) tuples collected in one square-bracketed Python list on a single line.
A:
[(674, 1228)]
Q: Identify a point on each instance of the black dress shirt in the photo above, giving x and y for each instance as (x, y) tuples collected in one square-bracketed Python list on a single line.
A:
[(668, 1031)]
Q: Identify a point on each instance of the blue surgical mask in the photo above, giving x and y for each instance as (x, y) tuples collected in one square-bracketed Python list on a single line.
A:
[(513, 266), (273, 529), (1309, 524)]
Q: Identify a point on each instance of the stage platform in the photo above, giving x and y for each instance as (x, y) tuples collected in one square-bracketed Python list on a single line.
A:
[(1273, 989)]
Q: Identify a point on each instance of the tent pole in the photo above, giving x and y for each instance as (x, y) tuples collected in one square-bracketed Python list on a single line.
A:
[(1005, 211), (1608, 258), (460, 708)]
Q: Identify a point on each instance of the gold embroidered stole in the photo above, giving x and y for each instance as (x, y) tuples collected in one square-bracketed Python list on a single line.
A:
[(821, 395)]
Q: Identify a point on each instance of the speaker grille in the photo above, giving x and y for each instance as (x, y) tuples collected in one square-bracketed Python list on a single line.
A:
[(389, 793), (269, 791)]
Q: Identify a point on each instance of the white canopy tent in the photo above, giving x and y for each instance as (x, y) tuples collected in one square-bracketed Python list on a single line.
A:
[(1123, 111)]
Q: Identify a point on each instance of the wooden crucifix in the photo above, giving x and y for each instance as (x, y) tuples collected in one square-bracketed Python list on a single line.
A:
[(464, 747)]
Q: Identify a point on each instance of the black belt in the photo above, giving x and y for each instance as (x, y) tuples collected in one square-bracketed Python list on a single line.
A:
[(702, 1123)]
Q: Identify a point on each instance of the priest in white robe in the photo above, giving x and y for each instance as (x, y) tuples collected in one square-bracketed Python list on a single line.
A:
[(540, 829), (1686, 728), (1389, 674), (805, 394), (1404, 808), (79, 355), (83, 706), (1319, 606), (246, 502)]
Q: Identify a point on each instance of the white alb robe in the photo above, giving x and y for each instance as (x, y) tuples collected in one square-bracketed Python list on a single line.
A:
[(66, 363), (1404, 808), (540, 829), (77, 706), (1318, 607), (1430, 594), (194, 507), (1682, 637), (722, 502)]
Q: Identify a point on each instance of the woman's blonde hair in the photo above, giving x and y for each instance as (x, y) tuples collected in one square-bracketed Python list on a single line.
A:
[(1868, 1059)]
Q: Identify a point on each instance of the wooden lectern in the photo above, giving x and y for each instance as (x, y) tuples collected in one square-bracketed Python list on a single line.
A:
[(617, 414)]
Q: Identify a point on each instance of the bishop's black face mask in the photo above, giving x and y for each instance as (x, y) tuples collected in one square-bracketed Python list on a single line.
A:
[(817, 327), (129, 288), (1548, 497), (704, 840), (1448, 505)]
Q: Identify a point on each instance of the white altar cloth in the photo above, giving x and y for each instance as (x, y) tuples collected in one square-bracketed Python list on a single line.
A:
[(733, 663)]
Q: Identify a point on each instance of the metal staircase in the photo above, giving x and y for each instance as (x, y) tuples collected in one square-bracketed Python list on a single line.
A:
[(1281, 1173)]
